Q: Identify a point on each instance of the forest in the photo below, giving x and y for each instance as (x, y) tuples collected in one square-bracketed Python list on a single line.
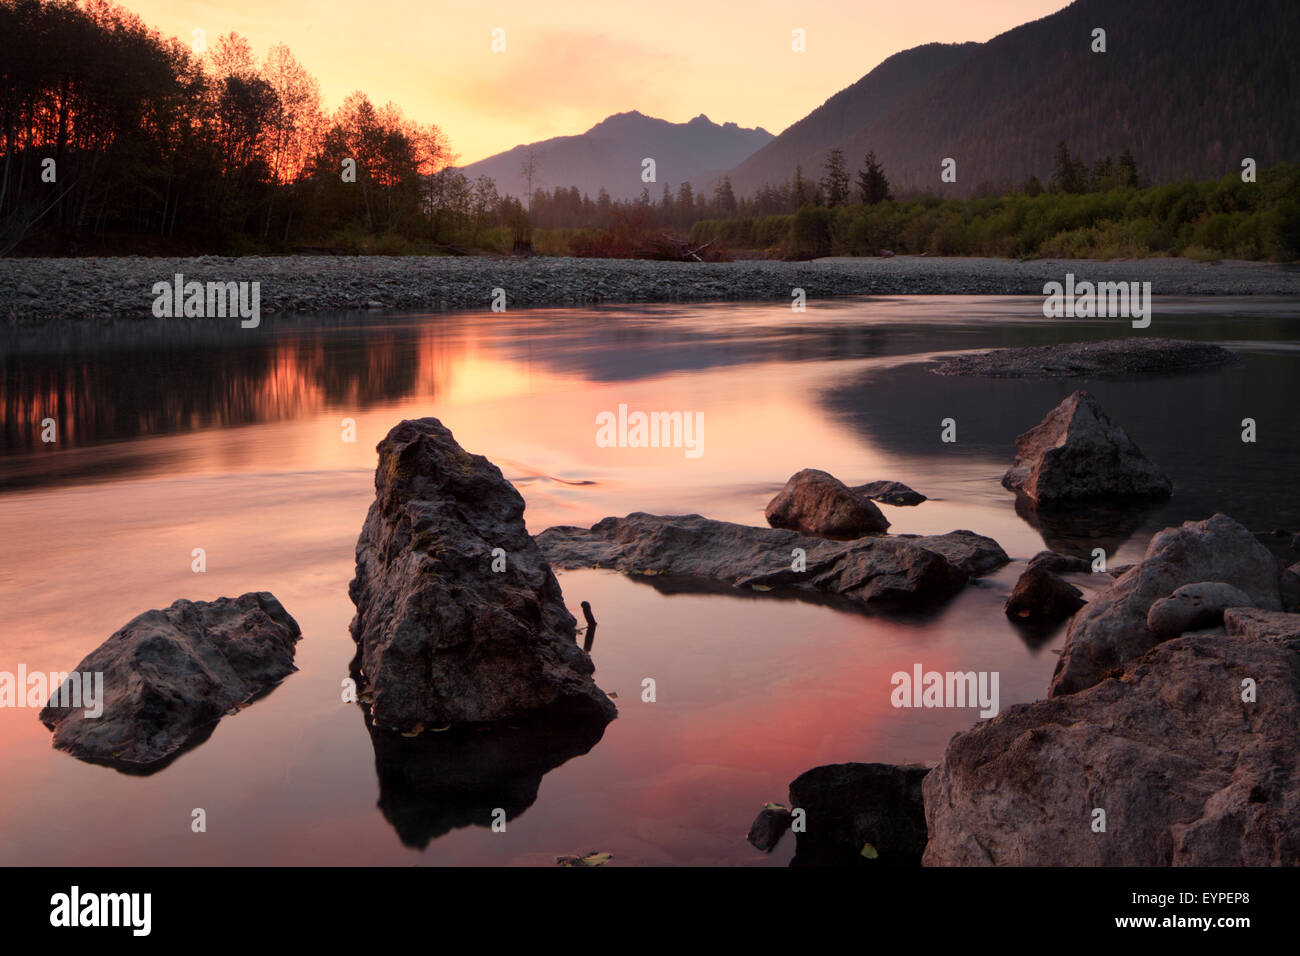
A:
[(117, 140)]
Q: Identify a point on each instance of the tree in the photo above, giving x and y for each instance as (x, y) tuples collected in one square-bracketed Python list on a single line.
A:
[(872, 184), (724, 199), (528, 170), (1128, 170), (1068, 175), (799, 188), (835, 184)]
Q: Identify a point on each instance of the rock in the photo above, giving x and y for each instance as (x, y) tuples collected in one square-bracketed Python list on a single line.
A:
[(890, 492), (1289, 586), (1193, 607), (1043, 596), (1186, 772), (816, 503), (901, 570), (769, 826), (850, 806), (170, 675), (1078, 452), (1112, 628), (442, 637), (1261, 625), (1059, 563), (1113, 358)]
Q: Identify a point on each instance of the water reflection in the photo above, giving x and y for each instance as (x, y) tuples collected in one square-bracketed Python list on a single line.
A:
[(434, 783)]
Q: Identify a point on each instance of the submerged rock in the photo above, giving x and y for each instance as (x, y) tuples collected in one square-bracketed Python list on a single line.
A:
[(170, 675), (861, 811), (1042, 596), (816, 503), (897, 570), (1112, 628), (1186, 771), (1078, 452), (459, 617), (890, 492)]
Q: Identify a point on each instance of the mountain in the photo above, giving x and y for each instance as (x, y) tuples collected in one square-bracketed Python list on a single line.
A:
[(808, 140), (610, 154), (1191, 86)]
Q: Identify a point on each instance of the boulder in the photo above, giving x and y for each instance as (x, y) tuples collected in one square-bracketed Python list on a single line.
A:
[(1289, 585), (170, 675), (868, 811), (1112, 628), (1193, 607), (882, 571), (1261, 625), (769, 826), (1041, 596), (459, 617), (1078, 452), (890, 492), (816, 503), (1186, 772)]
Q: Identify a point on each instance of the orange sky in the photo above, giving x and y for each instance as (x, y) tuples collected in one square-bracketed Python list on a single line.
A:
[(568, 65)]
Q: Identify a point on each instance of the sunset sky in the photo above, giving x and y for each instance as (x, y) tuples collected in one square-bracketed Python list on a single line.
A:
[(569, 65)]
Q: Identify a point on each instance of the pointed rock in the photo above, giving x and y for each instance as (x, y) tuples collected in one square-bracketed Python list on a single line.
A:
[(450, 629), (1078, 452)]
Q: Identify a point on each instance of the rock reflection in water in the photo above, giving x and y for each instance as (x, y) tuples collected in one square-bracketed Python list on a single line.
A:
[(438, 782)]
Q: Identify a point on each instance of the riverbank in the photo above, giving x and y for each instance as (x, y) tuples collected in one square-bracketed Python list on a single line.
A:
[(40, 290)]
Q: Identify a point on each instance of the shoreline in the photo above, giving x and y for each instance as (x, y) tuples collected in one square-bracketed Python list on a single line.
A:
[(49, 290)]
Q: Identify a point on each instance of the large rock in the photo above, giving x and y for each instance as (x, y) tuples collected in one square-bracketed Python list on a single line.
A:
[(901, 570), (1078, 452), (816, 503), (1289, 584), (1194, 607), (1112, 628), (863, 810), (1261, 625), (169, 675), (443, 638), (1186, 771)]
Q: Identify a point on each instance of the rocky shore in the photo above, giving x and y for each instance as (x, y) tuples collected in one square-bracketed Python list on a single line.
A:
[(38, 290)]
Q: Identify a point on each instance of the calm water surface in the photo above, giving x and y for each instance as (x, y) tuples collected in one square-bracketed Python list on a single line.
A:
[(176, 436)]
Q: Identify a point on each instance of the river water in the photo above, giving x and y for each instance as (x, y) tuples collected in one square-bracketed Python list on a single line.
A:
[(174, 436)]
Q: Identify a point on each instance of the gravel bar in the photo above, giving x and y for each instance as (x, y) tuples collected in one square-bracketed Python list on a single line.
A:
[(1112, 358), (38, 290)]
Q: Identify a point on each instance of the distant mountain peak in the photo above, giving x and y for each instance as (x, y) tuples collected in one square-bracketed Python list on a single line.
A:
[(611, 153)]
